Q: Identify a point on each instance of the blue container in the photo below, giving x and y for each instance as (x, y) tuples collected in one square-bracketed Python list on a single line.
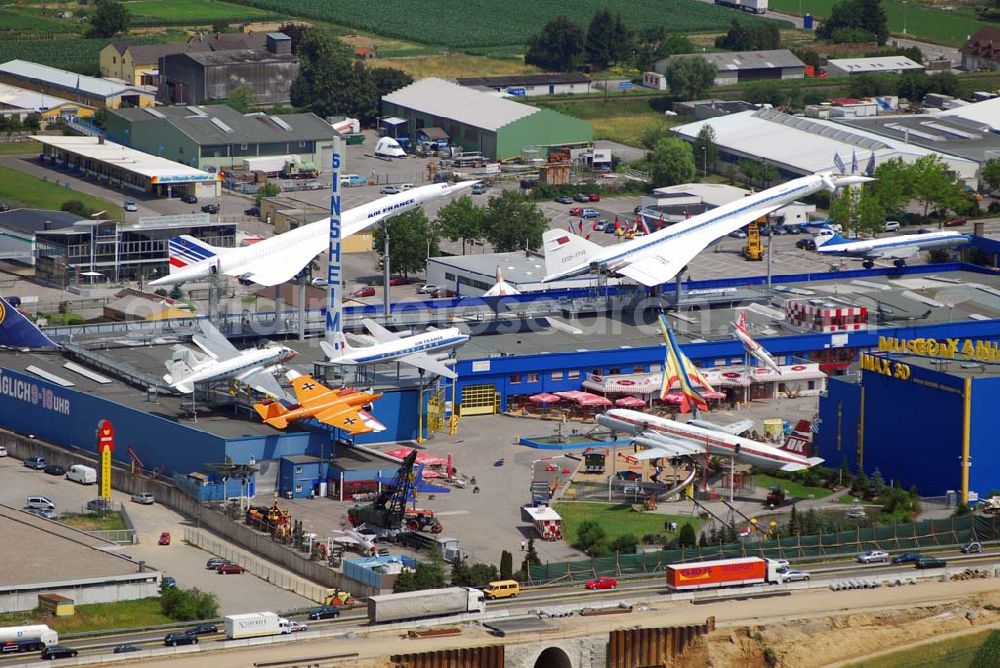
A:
[(807, 22)]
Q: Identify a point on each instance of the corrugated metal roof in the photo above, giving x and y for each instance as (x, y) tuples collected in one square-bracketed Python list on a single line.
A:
[(196, 122), (875, 64), (806, 145), (741, 60), (124, 157), (29, 71), (21, 98), (444, 99)]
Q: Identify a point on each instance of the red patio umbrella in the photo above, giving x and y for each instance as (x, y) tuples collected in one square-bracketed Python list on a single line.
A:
[(543, 398), (630, 402)]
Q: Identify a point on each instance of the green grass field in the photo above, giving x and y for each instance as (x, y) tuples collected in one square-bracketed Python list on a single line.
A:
[(27, 22), (95, 522), (934, 25), (20, 148), (619, 118), (24, 190), (483, 23), (797, 490), (192, 12), (617, 519), (96, 617), (951, 653)]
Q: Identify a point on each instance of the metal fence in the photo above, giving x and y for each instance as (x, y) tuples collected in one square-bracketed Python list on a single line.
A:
[(927, 534), (255, 567)]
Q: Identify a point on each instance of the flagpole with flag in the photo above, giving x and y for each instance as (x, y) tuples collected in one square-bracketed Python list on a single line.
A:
[(870, 168), (839, 163), (854, 162)]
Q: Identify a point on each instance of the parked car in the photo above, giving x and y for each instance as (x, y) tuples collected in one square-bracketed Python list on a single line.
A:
[(610, 229), (390, 190), (593, 197), (427, 289), (59, 652), (230, 569), (326, 612), (398, 280), (478, 188), (210, 208), (955, 222), (444, 293), (189, 199), (37, 463), (54, 469), (202, 630), (781, 564), (124, 649), (165, 538), (906, 557), (167, 582), (564, 199), (174, 639), (47, 513), (319, 282), (590, 213), (576, 211), (972, 547), (792, 575), (3, 451), (603, 582), (130, 206), (100, 505), (145, 498), (581, 197), (931, 562), (890, 226), (806, 244), (39, 503), (295, 626), (794, 229), (872, 556), (738, 234), (367, 291), (252, 211), (406, 186), (214, 562)]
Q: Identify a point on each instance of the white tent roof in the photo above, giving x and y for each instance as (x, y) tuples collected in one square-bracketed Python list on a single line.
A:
[(126, 158)]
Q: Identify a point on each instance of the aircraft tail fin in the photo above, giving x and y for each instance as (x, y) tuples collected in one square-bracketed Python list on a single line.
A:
[(333, 352), (180, 367), (17, 331), (563, 250), (799, 441), (273, 413), (741, 320), (185, 250)]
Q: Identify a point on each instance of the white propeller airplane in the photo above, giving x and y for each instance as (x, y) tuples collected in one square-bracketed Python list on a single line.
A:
[(898, 249), (420, 350), (223, 361), (656, 258), (280, 258), (667, 438)]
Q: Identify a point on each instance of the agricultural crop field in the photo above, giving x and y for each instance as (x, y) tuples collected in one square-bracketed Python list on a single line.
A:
[(29, 22), (480, 23), (191, 12), (76, 55), (932, 25)]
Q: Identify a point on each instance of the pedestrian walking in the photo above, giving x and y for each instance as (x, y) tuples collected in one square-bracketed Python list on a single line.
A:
[(523, 544)]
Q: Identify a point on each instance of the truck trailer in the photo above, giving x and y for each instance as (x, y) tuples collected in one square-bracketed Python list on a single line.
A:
[(253, 624), (739, 572), (31, 638), (752, 6), (424, 603)]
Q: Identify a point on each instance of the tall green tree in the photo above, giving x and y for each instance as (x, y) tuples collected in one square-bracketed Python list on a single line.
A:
[(461, 219), (623, 42), (411, 237), (108, 19), (933, 184), (891, 185), (296, 32), (865, 16), (513, 223), (687, 537), (743, 37), (388, 79), (991, 173), (705, 149), (506, 565), (671, 162), (242, 98), (331, 81), (689, 77), (598, 45), (557, 48)]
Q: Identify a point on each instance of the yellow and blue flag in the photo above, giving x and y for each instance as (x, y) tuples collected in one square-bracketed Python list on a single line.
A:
[(677, 368)]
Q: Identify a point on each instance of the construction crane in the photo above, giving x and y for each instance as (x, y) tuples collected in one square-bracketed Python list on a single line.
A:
[(388, 513), (754, 249)]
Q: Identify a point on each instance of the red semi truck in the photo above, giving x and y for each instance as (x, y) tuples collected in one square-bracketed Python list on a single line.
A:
[(722, 573)]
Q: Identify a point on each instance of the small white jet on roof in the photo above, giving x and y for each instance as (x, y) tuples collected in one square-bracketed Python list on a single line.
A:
[(222, 361), (656, 258), (898, 249), (424, 351), (751, 345), (501, 288)]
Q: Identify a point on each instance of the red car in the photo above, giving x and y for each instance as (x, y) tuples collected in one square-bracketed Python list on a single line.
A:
[(444, 293), (165, 538), (576, 211), (955, 222), (594, 197), (398, 280), (603, 582), (364, 292), (230, 569)]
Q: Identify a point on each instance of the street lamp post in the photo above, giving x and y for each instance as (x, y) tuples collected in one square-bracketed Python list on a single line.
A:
[(704, 162), (904, 18)]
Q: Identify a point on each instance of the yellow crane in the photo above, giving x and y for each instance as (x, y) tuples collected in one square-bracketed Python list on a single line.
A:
[(754, 249)]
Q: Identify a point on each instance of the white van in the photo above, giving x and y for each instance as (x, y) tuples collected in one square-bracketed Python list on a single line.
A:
[(82, 474), (39, 503)]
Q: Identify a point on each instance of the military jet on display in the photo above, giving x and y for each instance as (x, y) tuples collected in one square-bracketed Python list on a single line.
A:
[(343, 409)]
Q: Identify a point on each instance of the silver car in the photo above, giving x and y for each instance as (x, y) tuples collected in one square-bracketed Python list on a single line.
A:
[(792, 575), (144, 498)]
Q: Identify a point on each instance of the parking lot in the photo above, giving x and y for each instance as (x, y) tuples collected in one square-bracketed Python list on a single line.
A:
[(185, 563)]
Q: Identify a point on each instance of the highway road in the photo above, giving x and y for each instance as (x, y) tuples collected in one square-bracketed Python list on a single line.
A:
[(645, 591)]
